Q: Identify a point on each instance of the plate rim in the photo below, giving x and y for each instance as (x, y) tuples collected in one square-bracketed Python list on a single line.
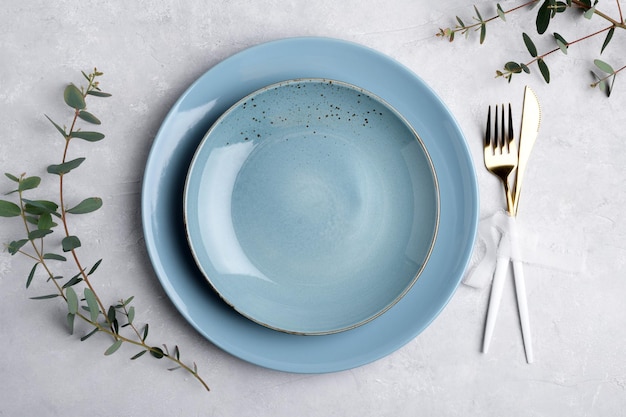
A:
[(294, 355)]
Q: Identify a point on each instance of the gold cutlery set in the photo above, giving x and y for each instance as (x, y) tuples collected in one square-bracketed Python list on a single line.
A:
[(507, 158)]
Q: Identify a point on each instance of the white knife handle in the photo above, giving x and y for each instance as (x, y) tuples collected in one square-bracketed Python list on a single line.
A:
[(502, 264), (520, 289)]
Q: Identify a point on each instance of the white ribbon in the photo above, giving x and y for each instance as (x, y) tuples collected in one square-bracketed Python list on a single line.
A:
[(494, 241)]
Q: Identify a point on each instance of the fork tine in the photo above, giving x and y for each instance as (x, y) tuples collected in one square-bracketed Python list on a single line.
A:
[(510, 137), (503, 137), (488, 129), (496, 141)]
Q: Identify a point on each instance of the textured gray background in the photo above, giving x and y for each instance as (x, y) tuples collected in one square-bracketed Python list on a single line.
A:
[(572, 215)]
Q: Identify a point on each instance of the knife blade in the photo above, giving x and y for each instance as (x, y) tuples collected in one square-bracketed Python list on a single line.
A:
[(531, 119)]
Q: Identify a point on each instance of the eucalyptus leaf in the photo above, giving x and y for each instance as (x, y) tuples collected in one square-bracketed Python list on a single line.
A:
[(54, 257), (608, 38), (88, 136), (93, 268), (532, 49), (38, 234), (9, 209), (92, 304), (88, 117), (88, 335), (59, 128), (589, 13), (603, 66), (544, 14), (70, 243), (12, 177), (65, 167), (525, 68), (480, 18), (483, 32), (88, 205), (461, 24), (561, 42), (157, 352), (73, 281), (70, 322), (113, 348), (144, 336), (31, 275), (72, 300), (45, 222), (137, 356), (28, 183), (513, 67), (39, 207), (131, 314), (44, 297), (96, 93), (500, 12), (73, 97), (16, 245), (545, 72)]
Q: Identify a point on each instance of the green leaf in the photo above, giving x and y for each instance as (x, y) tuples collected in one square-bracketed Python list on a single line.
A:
[(44, 297), (92, 304), (157, 352), (73, 97), (70, 243), (543, 17), (461, 24), (38, 234), (31, 275), (131, 314), (29, 183), (86, 206), (88, 117), (545, 72), (113, 348), (128, 300), (70, 322), (525, 68), (608, 38), (589, 13), (139, 355), (88, 136), (513, 67), (111, 314), (532, 49), (93, 268), (96, 93), (59, 128), (483, 32), (603, 66), (16, 245), (88, 335), (9, 209), (561, 42), (176, 352), (145, 333), (39, 207), (480, 18), (72, 300), (12, 177), (73, 281), (54, 257), (45, 222), (500, 12), (66, 167)]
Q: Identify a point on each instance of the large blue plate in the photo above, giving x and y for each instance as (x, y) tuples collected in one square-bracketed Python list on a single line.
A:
[(184, 128)]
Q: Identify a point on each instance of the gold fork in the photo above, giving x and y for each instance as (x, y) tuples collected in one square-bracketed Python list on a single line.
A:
[(501, 159), (500, 152)]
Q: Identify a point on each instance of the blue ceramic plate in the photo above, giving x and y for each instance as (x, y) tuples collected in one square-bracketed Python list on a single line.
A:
[(311, 206), (192, 116)]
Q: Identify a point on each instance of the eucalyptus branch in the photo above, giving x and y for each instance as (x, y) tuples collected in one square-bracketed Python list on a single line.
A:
[(548, 11), (38, 218)]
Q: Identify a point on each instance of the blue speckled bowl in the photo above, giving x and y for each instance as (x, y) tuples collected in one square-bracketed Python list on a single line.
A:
[(311, 206)]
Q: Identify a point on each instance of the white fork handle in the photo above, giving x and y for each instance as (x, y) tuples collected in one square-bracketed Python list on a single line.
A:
[(520, 290), (497, 285)]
